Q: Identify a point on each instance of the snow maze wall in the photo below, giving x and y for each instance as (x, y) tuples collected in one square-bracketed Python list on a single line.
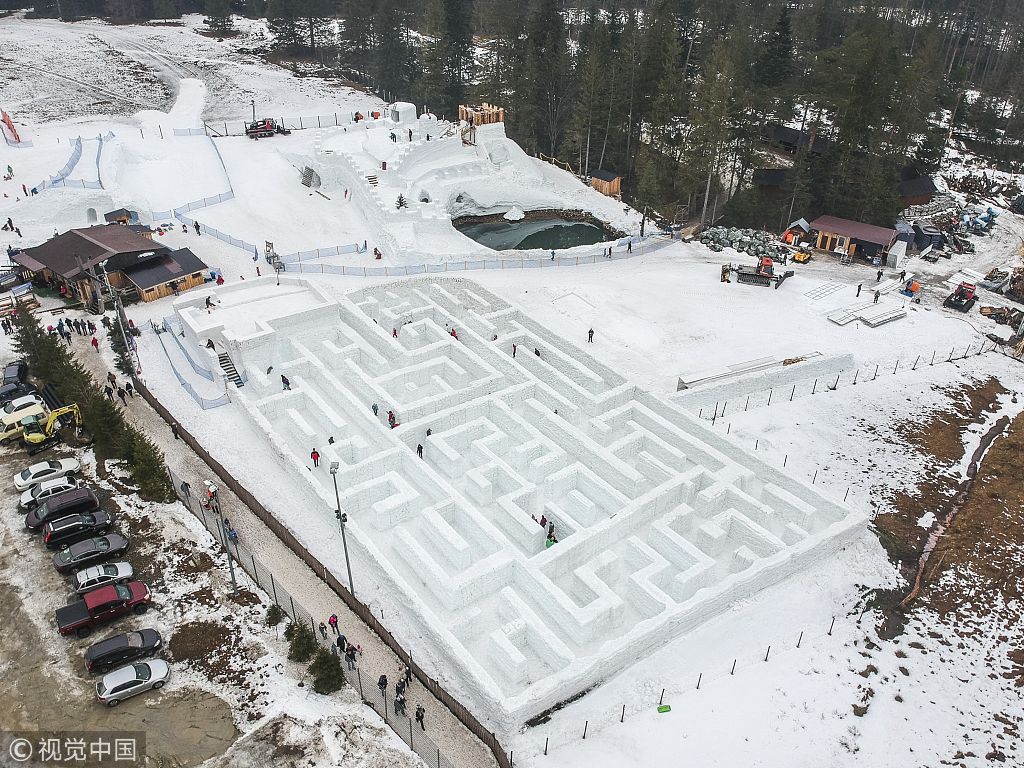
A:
[(661, 523)]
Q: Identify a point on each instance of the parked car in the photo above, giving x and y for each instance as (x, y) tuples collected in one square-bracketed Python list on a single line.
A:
[(37, 494), (90, 552), (23, 402), (16, 372), (102, 606), (97, 576), (46, 470), (134, 679), (74, 502), (68, 530), (9, 392), (12, 426), (121, 649)]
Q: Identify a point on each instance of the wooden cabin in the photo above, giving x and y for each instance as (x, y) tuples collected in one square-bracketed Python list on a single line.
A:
[(607, 183), (853, 238)]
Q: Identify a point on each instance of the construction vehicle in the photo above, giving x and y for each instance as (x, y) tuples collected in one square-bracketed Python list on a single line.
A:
[(962, 298), (265, 128), (40, 434), (762, 274)]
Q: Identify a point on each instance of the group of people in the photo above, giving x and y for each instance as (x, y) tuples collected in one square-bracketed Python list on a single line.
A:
[(550, 525), (341, 646), (9, 227), (123, 392), (64, 328), (401, 686)]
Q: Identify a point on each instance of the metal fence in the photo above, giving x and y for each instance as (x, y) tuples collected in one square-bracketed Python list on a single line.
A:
[(361, 610), (466, 266), (203, 402), (168, 326), (263, 577)]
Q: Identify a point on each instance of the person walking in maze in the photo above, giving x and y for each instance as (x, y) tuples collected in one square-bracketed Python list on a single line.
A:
[(285, 383), (590, 336), (374, 409), (382, 683), (350, 657), (315, 456), (399, 704), (513, 350), (419, 450), (323, 630), (333, 621), (420, 714), (196, 225)]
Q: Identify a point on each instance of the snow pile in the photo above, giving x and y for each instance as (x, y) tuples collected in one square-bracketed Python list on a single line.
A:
[(660, 523), (515, 213)]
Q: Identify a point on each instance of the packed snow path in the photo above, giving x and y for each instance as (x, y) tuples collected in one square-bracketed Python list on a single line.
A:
[(660, 523)]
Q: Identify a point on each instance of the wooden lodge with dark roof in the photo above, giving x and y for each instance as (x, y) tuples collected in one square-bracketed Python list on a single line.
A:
[(79, 261)]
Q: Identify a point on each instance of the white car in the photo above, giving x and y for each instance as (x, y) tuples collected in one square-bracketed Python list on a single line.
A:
[(131, 680), (37, 494), (21, 403), (46, 470), (97, 576)]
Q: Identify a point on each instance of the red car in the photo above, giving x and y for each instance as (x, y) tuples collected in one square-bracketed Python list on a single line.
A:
[(102, 606)]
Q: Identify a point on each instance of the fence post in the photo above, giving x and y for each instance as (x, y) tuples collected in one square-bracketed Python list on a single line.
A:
[(293, 606), (733, 670), (410, 720), (767, 652), (585, 724), (255, 576), (785, 459), (846, 494), (662, 699), (799, 639), (815, 387), (747, 405), (769, 397), (950, 358), (273, 587), (914, 367), (699, 677), (855, 375), (933, 358), (791, 393), (831, 625), (896, 368), (815, 477), (622, 717)]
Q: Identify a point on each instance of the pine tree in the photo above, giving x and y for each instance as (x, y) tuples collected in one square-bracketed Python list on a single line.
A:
[(401, 202), (302, 642), (315, 25), (283, 23), (147, 467), (775, 66), (328, 675), (218, 16), (165, 9), (394, 59)]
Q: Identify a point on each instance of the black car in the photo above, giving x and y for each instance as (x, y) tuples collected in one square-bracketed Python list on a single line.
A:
[(74, 502), (67, 530), (10, 392), (90, 552), (121, 649), (15, 373)]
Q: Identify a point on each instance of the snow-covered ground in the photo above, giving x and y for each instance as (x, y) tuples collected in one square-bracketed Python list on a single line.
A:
[(660, 315)]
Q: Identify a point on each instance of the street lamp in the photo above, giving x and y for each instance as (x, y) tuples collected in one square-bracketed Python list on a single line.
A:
[(253, 101), (211, 492), (342, 518)]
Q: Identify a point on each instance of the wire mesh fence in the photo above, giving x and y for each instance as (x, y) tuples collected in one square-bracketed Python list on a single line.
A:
[(381, 700)]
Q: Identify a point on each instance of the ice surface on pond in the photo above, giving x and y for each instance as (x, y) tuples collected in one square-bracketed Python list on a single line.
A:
[(660, 523)]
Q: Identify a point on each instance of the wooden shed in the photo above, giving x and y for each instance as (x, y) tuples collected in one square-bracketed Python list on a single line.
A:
[(832, 233), (482, 114), (165, 273), (607, 183)]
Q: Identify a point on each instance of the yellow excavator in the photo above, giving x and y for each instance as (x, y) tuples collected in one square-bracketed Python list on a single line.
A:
[(39, 435)]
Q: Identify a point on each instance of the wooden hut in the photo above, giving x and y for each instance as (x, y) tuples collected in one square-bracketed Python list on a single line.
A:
[(483, 114), (607, 183)]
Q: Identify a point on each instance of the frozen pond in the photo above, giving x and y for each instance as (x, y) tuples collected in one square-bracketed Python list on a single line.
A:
[(551, 233)]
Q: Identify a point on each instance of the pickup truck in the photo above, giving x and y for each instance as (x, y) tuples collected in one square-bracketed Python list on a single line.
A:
[(102, 606)]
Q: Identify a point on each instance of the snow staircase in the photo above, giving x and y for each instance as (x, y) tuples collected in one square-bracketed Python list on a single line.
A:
[(372, 179), (307, 177), (229, 369)]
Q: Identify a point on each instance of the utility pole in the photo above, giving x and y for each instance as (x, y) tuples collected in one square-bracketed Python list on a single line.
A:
[(211, 494), (342, 518)]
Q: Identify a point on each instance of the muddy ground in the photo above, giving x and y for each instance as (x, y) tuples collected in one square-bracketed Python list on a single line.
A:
[(46, 686), (971, 584)]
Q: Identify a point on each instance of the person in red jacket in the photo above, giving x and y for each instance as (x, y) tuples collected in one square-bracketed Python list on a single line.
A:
[(315, 456), (95, 344)]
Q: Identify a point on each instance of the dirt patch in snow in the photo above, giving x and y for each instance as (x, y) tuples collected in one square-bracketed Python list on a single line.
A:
[(940, 439)]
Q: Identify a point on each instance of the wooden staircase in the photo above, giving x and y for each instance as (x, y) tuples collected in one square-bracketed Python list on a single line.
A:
[(229, 369)]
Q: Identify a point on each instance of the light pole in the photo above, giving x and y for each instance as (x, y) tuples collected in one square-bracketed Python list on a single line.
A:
[(342, 518), (254, 110), (215, 503)]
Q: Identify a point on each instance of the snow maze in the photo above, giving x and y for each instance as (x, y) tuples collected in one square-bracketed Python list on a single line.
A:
[(661, 524)]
